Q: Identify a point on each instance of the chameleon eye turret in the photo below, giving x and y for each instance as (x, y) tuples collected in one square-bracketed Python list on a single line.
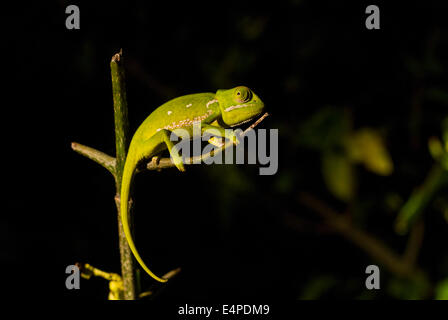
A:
[(242, 94)]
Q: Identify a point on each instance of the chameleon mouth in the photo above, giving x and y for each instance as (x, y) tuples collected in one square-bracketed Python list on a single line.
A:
[(243, 122)]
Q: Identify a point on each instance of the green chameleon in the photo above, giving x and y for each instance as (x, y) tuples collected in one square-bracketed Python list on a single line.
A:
[(226, 108)]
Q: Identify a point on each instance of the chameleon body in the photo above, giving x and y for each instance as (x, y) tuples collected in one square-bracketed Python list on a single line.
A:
[(225, 108)]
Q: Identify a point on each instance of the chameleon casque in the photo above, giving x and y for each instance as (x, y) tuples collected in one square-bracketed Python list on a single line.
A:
[(220, 110)]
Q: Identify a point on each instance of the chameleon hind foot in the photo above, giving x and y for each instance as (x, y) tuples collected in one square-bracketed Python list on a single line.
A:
[(159, 139)]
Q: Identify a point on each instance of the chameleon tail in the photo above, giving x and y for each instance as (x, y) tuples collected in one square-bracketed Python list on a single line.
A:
[(128, 172)]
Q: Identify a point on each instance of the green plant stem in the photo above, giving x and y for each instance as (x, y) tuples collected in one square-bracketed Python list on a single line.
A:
[(421, 198), (99, 157), (121, 144)]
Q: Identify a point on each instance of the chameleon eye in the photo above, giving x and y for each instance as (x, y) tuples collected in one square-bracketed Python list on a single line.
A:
[(242, 94)]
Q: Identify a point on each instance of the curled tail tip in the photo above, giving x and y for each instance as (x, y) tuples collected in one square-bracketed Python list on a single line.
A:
[(163, 280), (152, 275)]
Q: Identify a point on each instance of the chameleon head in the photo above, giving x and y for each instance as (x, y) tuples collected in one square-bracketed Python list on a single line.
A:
[(238, 105)]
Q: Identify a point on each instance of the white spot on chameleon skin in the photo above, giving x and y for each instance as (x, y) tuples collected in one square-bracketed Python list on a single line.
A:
[(211, 101), (187, 122), (170, 112), (189, 105)]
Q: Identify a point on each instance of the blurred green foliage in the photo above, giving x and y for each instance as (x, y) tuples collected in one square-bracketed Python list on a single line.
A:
[(442, 290), (329, 132)]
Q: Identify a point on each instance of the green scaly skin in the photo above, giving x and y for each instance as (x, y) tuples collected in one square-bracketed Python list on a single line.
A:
[(226, 108)]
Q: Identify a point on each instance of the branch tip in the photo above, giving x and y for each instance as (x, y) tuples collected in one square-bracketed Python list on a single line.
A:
[(99, 157)]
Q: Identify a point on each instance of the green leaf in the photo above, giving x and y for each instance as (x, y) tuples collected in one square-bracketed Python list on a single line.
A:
[(442, 290), (366, 146), (435, 148), (338, 175)]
